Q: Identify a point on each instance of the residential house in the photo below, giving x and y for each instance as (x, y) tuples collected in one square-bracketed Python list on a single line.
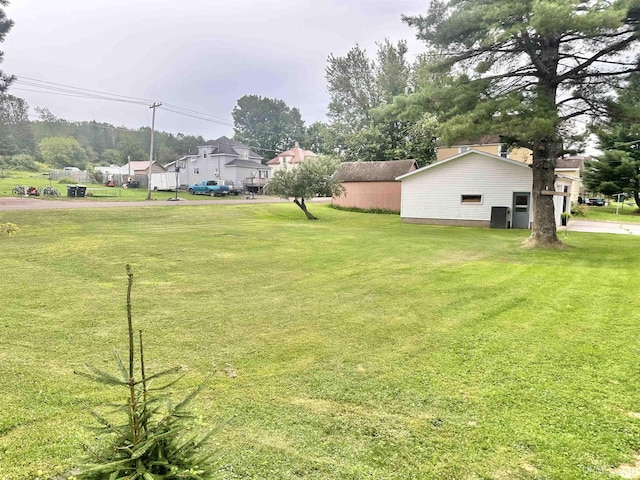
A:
[(290, 158), (572, 168), (372, 185), (141, 168), (464, 189), (489, 144), (224, 159)]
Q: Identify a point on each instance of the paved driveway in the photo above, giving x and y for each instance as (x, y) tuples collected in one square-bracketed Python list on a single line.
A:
[(602, 227)]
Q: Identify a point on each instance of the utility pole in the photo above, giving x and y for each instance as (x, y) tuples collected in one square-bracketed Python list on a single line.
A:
[(153, 126)]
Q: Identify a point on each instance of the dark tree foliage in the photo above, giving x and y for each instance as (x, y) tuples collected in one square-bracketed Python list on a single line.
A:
[(5, 26), (535, 67), (15, 133), (618, 169), (268, 125), (364, 123)]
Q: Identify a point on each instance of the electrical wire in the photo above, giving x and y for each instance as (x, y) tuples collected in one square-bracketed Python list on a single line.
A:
[(52, 88)]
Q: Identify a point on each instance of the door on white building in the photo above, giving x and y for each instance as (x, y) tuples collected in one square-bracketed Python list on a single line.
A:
[(521, 210)]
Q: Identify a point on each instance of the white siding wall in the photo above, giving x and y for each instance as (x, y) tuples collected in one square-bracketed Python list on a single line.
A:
[(435, 193)]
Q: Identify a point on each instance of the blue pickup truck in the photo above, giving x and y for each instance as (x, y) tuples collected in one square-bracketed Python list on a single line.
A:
[(208, 187)]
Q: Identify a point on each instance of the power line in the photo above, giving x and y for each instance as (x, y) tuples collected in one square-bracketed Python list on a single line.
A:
[(52, 88)]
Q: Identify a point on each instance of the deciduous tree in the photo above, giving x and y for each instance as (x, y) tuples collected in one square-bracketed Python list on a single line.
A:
[(62, 152), (535, 66), (267, 123), (15, 133), (312, 178)]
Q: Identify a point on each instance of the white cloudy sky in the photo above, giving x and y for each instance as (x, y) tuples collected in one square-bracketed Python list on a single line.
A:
[(198, 54)]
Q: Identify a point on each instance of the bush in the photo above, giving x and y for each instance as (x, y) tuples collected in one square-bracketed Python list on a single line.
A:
[(8, 229), (66, 181), (579, 210), (23, 162)]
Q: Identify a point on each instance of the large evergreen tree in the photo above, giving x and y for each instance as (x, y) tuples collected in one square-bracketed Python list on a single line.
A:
[(5, 26), (534, 66), (618, 169)]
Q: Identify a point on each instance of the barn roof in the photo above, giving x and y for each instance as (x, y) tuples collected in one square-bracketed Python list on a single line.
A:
[(383, 171)]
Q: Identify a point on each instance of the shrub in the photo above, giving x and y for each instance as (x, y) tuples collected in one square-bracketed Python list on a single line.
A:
[(579, 210), (22, 161), (365, 210), (66, 181), (8, 229)]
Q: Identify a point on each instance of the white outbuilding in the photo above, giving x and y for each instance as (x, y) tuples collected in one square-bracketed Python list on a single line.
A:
[(475, 189)]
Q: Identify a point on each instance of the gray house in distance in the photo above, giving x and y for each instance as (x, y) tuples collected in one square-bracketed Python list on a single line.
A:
[(223, 159)]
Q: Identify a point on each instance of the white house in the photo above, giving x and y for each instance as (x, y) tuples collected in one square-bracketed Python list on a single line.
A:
[(223, 159), (463, 189)]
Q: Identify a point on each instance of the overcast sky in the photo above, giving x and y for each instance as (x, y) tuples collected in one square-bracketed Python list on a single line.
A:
[(198, 54)]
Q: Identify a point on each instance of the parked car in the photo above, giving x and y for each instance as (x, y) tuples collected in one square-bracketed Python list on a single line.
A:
[(596, 202), (208, 187), (235, 188)]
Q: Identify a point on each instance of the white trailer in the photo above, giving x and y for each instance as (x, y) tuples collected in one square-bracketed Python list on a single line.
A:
[(165, 181)]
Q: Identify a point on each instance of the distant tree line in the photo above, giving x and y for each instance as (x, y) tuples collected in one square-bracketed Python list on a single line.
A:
[(59, 143)]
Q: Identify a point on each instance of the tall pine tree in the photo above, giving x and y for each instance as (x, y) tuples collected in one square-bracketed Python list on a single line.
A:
[(535, 66)]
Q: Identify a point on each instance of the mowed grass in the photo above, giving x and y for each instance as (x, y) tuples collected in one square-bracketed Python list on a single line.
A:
[(94, 192), (364, 347), (626, 213)]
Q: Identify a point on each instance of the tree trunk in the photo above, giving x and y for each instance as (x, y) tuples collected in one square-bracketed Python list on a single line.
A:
[(303, 207), (543, 231), (636, 197)]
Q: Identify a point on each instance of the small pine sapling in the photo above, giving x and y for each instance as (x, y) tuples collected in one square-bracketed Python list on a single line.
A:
[(153, 441)]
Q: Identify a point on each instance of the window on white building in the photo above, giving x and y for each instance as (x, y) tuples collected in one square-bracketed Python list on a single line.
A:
[(470, 198)]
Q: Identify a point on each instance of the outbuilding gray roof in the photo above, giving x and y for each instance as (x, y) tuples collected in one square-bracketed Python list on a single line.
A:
[(384, 171), (570, 162)]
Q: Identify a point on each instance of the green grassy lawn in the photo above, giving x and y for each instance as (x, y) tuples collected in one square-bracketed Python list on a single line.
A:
[(364, 347), (626, 213), (95, 192)]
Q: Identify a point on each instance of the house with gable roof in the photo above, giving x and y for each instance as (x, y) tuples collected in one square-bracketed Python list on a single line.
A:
[(290, 158), (470, 188), (224, 160), (141, 168)]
